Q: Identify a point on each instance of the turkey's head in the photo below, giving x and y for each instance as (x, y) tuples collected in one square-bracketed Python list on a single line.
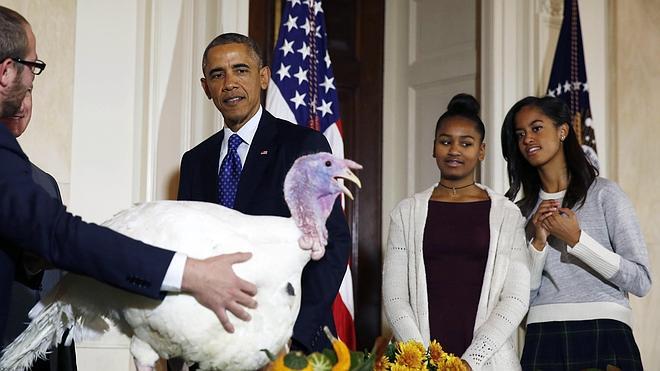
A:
[(310, 190)]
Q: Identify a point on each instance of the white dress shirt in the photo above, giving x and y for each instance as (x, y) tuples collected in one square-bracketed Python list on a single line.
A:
[(246, 132)]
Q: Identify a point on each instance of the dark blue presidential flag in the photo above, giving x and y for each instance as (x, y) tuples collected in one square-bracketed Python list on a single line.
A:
[(568, 79)]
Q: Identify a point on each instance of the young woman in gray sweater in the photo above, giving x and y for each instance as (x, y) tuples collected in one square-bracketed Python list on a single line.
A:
[(586, 246)]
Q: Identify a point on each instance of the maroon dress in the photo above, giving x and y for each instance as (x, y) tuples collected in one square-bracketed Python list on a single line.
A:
[(456, 239)]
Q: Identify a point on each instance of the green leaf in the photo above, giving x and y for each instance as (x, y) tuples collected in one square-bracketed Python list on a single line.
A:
[(365, 365), (390, 352), (362, 361)]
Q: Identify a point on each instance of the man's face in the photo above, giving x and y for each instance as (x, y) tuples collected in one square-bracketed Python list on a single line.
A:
[(233, 80), (22, 83), (19, 121)]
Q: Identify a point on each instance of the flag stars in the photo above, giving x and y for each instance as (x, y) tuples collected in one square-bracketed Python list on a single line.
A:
[(576, 85), (283, 71), (328, 83), (301, 75), (317, 8), (307, 27), (304, 51), (567, 87), (291, 23), (287, 47), (325, 107), (299, 100), (327, 60), (294, 3), (585, 87)]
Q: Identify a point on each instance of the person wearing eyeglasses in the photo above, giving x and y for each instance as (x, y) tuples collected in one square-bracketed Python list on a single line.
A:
[(33, 221), (36, 66)]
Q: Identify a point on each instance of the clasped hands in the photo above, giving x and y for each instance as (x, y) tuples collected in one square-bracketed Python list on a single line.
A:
[(552, 219)]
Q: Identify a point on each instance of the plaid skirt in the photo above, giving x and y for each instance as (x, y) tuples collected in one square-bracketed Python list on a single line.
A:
[(579, 345)]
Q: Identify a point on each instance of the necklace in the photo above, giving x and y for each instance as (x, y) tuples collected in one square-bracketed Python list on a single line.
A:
[(453, 189)]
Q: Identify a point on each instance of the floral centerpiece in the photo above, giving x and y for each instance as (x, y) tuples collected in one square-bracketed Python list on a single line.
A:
[(385, 356), (412, 356)]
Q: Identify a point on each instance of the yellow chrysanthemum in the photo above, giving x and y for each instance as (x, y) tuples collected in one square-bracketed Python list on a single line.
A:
[(383, 364), (410, 355), (419, 346), (449, 362), (435, 353), (396, 367)]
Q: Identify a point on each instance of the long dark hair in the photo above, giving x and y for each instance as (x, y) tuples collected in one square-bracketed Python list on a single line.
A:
[(466, 106), (581, 172)]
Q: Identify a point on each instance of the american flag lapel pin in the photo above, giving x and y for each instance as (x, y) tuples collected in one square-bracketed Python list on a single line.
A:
[(264, 152)]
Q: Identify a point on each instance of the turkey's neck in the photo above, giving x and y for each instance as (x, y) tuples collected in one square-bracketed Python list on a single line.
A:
[(310, 212)]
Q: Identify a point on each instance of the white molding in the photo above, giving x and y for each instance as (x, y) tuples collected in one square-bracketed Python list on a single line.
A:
[(396, 123), (141, 113), (503, 66), (411, 184), (412, 32), (187, 28), (234, 16), (152, 98)]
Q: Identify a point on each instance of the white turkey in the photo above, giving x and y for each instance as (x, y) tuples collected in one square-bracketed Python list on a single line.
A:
[(178, 326)]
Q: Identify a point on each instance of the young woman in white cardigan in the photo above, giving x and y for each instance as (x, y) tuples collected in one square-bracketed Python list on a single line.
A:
[(456, 267)]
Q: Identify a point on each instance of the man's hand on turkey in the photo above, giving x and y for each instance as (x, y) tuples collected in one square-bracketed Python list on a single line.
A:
[(214, 284)]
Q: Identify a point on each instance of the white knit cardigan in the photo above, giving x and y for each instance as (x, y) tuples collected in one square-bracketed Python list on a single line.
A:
[(504, 295)]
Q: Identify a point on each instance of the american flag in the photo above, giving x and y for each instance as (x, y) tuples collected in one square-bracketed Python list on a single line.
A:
[(568, 79), (302, 90)]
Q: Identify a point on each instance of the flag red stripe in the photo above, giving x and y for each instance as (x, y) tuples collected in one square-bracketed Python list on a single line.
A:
[(344, 323)]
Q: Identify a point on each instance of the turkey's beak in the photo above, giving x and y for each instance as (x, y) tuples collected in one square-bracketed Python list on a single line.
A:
[(348, 175)]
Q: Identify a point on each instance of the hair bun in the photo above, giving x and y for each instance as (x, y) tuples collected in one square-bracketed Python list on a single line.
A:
[(464, 104)]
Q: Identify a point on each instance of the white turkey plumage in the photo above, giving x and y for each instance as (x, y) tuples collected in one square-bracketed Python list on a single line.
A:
[(179, 326)]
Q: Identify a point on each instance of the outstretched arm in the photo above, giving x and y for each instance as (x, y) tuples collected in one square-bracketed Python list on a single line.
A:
[(30, 220)]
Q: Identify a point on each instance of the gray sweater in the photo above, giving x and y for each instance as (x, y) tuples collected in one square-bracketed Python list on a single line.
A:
[(592, 279)]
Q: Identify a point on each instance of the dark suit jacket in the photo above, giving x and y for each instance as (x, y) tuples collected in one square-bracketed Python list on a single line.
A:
[(30, 219), (23, 298), (276, 145)]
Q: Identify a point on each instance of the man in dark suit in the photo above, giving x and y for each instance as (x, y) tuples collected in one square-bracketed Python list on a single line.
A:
[(25, 297), (263, 149), (32, 221)]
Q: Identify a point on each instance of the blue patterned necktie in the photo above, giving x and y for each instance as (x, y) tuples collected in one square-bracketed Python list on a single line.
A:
[(230, 173)]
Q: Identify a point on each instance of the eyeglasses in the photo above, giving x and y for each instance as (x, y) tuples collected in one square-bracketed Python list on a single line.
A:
[(37, 67)]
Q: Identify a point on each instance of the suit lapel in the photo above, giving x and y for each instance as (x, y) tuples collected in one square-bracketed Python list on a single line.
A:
[(258, 159), (209, 170)]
